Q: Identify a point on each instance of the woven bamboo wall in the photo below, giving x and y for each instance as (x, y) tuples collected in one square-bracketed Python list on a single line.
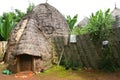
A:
[(84, 52)]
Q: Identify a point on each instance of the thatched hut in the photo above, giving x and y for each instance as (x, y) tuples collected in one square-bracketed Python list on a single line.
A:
[(115, 12), (116, 16), (29, 45), (83, 22)]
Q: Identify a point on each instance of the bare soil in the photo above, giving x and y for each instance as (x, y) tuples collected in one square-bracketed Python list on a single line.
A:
[(60, 74)]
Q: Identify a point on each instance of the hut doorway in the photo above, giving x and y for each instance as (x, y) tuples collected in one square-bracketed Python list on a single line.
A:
[(25, 62)]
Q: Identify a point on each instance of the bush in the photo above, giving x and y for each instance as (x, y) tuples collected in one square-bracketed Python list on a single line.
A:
[(100, 29)]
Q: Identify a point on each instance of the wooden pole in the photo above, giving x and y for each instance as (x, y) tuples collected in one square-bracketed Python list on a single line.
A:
[(61, 56), (46, 1)]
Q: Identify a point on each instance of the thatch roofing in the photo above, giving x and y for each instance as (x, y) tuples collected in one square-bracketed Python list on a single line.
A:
[(32, 42), (116, 16), (83, 22), (31, 35), (115, 12), (52, 21)]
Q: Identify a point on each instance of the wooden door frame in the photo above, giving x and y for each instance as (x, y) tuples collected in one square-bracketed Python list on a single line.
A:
[(18, 64), (32, 65)]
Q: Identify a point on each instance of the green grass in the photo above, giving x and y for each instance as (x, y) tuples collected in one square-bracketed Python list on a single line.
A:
[(59, 70), (60, 73)]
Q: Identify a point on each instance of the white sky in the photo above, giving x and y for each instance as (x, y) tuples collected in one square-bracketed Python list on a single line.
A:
[(66, 7)]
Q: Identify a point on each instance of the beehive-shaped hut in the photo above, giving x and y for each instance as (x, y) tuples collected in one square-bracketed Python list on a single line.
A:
[(29, 45), (83, 22), (116, 16), (115, 12)]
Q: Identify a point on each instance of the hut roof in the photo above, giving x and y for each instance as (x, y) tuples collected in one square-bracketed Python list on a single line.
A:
[(52, 21), (116, 16), (32, 42), (31, 34), (84, 22), (115, 12)]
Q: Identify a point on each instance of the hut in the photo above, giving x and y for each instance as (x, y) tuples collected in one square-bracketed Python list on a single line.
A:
[(83, 22), (115, 12), (29, 44), (116, 16)]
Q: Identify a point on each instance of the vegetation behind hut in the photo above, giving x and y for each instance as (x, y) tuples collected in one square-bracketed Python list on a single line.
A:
[(9, 20)]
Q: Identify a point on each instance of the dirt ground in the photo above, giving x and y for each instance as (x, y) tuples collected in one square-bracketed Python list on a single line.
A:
[(61, 74)]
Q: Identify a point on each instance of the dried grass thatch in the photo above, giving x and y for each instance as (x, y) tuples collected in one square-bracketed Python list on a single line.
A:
[(32, 34), (115, 12), (84, 22), (116, 16)]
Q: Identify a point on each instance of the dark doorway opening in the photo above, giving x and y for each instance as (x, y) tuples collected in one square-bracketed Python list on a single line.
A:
[(25, 62)]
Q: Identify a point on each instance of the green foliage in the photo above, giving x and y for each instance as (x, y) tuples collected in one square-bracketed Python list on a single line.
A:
[(9, 20), (100, 29), (19, 15), (6, 24), (100, 25), (72, 21), (30, 7), (80, 30)]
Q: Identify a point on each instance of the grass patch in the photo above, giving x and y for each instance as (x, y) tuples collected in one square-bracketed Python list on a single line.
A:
[(55, 68), (58, 71)]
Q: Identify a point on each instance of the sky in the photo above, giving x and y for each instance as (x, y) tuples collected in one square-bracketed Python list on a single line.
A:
[(83, 8)]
